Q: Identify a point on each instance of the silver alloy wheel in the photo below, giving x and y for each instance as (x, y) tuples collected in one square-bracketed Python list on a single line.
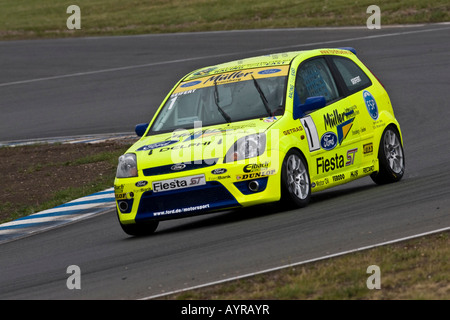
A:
[(298, 181), (393, 151)]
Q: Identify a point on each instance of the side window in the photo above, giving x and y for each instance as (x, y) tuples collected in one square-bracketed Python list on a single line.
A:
[(354, 78), (314, 79)]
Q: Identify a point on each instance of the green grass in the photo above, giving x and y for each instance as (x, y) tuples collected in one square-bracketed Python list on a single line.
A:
[(20, 19), (39, 175), (60, 197)]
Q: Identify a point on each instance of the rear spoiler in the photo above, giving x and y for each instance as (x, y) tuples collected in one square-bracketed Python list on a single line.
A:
[(349, 49)]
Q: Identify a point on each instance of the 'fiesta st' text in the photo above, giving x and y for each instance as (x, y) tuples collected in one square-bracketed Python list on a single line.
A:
[(264, 129)]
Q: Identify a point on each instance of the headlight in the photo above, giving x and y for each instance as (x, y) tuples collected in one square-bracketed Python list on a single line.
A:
[(127, 166), (247, 147)]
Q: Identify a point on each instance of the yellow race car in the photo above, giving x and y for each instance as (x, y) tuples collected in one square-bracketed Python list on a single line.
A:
[(272, 128)]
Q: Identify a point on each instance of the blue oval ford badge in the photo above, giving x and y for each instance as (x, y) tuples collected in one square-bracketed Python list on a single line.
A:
[(328, 141), (142, 183), (178, 166), (269, 71), (219, 171), (190, 84), (371, 104)]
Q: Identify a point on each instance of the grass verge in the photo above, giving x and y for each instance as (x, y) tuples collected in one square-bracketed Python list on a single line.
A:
[(29, 19), (39, 177), (416, 269)]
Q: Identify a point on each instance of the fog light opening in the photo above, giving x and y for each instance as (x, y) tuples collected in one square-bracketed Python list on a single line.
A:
[(123, 206), (253, 186)]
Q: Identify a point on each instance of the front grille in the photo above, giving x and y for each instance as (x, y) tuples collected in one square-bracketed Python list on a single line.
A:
[(173, 204), (185, 167)]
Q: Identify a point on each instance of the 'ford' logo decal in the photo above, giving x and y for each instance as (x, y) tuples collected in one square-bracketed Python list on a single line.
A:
[(190, 84), (328, 141), (269, 71), (141, 183), (219, 171), (177, 167)]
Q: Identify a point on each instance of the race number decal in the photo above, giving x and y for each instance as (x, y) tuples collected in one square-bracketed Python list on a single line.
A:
[(311, 133)]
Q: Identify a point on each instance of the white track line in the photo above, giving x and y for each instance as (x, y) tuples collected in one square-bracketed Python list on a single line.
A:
[(295, 264), (320, 43), (90, 138)]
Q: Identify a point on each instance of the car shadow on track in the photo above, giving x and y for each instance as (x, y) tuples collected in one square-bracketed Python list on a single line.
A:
[(255, 212)]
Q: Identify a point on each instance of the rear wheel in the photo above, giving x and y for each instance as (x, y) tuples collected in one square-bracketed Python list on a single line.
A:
[(391, 158), (295, 183)]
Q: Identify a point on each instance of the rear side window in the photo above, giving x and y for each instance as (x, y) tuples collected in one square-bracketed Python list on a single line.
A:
[(314, 79), (354, 78)]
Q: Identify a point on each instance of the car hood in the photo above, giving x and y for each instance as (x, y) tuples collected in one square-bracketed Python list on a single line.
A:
[(194, 145)]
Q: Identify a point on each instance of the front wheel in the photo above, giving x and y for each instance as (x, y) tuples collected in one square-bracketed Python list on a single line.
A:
[(391, 158), (295, 183), (141, 229)]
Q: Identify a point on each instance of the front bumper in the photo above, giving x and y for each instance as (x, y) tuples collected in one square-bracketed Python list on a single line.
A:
[(232, 189)]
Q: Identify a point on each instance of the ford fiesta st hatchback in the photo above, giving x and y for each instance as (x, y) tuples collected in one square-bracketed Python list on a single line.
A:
[(272, 128)]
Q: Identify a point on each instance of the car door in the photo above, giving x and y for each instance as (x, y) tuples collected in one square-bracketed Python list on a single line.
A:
[(332, 130), (356, 84)]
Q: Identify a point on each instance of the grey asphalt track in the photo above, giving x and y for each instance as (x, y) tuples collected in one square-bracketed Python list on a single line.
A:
[(102, 85)]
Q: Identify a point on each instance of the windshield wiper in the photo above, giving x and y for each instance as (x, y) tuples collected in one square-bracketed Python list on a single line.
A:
[(263, 97), (216, 99)]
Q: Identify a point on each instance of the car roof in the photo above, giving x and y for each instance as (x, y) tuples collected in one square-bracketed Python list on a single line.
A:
[(274, 59)]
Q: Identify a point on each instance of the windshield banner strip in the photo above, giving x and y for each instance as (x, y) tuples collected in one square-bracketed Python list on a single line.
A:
[(230, 77)]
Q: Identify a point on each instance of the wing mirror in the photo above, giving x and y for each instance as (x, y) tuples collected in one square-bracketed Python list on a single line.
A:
[(140, 129), (311, 104)]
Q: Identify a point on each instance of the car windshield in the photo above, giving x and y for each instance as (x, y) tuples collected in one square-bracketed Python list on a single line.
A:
[(223, 98)]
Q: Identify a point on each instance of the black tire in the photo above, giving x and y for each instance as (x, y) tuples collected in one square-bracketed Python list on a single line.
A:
[(391, 158), (295, 181), (141, 229)]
